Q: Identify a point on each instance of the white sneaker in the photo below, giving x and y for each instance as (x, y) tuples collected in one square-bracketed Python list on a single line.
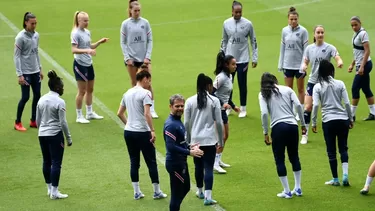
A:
[(219, 169), (285, 195), (224, 165), (93, 115), (304, 139), (228, 111), (154, 115), (82, 120), (59, 196), (160, 195), (242, 114)]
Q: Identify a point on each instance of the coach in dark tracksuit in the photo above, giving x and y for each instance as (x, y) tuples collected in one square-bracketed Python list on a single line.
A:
[(177, 152)]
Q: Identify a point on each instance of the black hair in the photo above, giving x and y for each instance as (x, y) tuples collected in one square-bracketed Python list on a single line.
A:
[(26, 17), (222, 62), (326, 69), (236, 3), (202, 87), (54, 82), (268, 85), (293, 11), (142, 74)]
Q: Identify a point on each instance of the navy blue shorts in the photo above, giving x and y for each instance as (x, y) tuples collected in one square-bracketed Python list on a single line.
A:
[(136, 64), (293, 73), (224, 116), (309, 89), (83, 73)]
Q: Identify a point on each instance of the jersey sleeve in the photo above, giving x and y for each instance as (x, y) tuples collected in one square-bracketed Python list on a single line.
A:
[(149, 41), (282, 51), (147, 100), (63, 122), (334, 51), (18, 45), (74, 38), (122, 102), (316, 102), (346, 101), (224, 39), (170, 137), (263, 113), (364, 37), (219, 81)]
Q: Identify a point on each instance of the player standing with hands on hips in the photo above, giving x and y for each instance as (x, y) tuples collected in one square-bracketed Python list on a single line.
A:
[(236, 31), (51, 122), (136, 44), (28, 68), (177, 152)]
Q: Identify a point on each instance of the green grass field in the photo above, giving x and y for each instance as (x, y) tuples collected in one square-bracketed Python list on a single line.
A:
[(187, 37)]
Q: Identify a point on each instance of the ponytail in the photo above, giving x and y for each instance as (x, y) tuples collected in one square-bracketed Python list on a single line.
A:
[(202, 91), (268, 86), (54, 82), (26, 17), (222, 63), (75, 19)]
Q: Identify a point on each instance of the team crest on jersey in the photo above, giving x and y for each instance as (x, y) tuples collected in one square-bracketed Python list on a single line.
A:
[(324, 50), (297, 34), (142, 27)]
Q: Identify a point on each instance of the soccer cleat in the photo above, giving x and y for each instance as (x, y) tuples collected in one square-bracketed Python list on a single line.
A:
[(242, 114), (58, 195), (199, 195), (82, 120), (154, 115), (333, 182), (365, 191), (304, 139), (160, 195), (285, 195), (297, 192), (219, 169), (345, 180), (228, 111), (33, 124), (208, 202), (224, 165), (93, 115), (19, 127), (138, 196), (370, 117)]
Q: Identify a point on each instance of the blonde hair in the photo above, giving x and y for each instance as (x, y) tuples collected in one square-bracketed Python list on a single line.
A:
[(75, 18)]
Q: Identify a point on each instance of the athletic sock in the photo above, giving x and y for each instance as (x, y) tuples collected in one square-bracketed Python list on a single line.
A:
[(297, 179), (345, 167), (88, 109), (136, 187), (79, 112), (156, 187), (354, 109), (372, 109), (369, 181), (284, 182), (208, 194)]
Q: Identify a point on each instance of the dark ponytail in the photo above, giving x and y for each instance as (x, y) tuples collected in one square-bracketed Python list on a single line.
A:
[(268, 85), (202, 85), (236, 3), (222, 63), (326, 69), (54, 82), (26, 17)]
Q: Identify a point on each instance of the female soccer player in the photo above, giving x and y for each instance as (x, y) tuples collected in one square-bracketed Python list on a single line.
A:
[(202, 112), (370, 177), (278, 101), (28, 68), (51, 122), (222, 87), (313, 54), (294, 40), (336, 119), (139, 132), (83, 50), (363, 64), (236, 31), (177, 151), (136, 44)]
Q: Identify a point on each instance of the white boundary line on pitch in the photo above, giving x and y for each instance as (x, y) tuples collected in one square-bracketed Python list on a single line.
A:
[(99, 103), (177, 22)]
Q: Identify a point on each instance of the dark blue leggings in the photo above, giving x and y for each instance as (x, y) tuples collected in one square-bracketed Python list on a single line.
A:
[(285, 136), (137, 142), (52, 151), (33, 81), (204, 167), (362, 82), (179, 182), (242, 82)]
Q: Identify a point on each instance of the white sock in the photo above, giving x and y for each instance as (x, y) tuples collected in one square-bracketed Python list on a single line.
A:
[(284, 182), (216, 160), (354, 109), (345, 167), (297, 179), (200, 190), (368, 181), (89, 109), (136, 187), (156, 187), (243, 108), (79, 112), (372, 109), (55, 190), (307, 129), (208, 194), (220, 154), (49, 187)]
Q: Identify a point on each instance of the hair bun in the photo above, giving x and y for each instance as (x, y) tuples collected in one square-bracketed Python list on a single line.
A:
[(292, 9), (52, 74)]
